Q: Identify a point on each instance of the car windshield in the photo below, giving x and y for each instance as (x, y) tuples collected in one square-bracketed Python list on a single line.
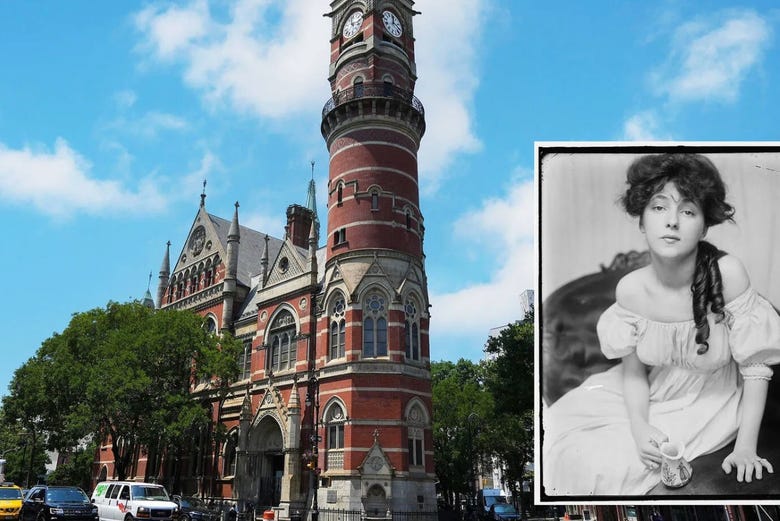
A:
[(495, 500), (149, 492), (192, 502), (66, 495), (505, 508), (10, 493)]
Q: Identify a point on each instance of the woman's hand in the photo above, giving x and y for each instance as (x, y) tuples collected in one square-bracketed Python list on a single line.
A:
[(648, 439), (746, 462)]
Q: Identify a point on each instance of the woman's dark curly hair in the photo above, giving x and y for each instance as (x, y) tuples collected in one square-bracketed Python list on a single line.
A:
[(698, 180)]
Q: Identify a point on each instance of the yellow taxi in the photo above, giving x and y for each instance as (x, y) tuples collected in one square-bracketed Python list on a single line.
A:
[(10, 501)]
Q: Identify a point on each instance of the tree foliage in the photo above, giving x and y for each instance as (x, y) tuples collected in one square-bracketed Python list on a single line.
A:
[(124, 374), (509, 379), (460, 404), (483, 412)]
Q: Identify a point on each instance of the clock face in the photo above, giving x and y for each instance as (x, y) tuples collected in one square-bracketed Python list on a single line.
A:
[(352, 25), (392, 23)]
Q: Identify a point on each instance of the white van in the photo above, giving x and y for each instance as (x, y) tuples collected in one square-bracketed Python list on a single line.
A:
[(130, 500)]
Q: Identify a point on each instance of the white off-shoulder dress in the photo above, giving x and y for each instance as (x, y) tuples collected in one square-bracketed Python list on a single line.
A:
[(587, 446)]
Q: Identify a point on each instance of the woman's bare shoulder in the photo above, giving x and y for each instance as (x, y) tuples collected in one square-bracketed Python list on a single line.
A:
[(734, 276), (631, 288)]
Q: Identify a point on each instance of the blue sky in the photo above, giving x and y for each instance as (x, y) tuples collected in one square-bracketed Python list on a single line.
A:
[(113, 113)]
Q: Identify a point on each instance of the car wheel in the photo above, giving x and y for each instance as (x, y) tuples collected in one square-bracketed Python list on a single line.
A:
[(129, 517), (184, 517)]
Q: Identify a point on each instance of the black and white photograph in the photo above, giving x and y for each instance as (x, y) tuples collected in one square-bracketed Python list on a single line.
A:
[(658, 327)]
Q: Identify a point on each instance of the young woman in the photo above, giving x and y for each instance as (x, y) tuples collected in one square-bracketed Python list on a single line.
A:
[(695, 339)]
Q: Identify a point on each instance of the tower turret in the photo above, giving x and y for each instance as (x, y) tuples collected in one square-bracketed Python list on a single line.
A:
[(373, 125)]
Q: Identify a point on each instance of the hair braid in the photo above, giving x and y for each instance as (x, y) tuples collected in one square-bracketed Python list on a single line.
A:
[(707, 289)]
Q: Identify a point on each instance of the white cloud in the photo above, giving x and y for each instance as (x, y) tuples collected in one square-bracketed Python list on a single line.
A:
[(711, 58), (265, 222), (243, 62), (502, 228), (58, 184), (449, 68), (280, 72), (149, 125), (644, 126)]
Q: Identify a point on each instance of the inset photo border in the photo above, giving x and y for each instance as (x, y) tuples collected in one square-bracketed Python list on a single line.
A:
[(620, 367)]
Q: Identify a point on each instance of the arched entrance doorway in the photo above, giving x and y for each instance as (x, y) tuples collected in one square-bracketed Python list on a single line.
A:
[(266, 462), (375, 503)]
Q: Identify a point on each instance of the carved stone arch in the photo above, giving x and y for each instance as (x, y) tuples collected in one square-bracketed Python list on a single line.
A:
[(208, 263), (378, 286), (211, 316), (284, 306), (333, 295), (416, 406), (201, 267), (263, 424), (335, 401), (187, 273)]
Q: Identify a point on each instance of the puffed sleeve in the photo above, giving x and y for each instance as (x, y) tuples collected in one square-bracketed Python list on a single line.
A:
[(754, 334), (618, 330)]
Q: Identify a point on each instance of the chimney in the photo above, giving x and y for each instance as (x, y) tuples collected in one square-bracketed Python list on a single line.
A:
[(299, 219)]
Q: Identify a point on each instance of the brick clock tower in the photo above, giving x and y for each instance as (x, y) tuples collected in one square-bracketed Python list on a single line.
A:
[(373, 354), (332, 408)]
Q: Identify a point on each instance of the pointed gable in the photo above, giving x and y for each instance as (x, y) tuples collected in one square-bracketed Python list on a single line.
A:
[(289, 263), (376, 465)]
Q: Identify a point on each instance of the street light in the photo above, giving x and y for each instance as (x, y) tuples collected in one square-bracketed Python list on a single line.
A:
[(472, 420), (313, 398)]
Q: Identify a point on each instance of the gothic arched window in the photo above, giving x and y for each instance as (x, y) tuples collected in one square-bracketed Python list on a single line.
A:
[(416, 429), (334, 420), (374, 326), (358, 86), (282, 342), (412, 330), (338, 325), (229, 456), (245, 360)]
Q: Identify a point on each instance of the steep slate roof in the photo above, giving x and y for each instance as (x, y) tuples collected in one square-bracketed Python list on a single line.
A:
[(249, 306), (250, 248)]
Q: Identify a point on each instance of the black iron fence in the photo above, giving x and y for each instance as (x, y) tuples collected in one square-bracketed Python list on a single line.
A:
[(373, 90), (359, 515)]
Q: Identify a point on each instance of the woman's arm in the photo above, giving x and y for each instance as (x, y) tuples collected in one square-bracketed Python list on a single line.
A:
[(636, 393), (744, 456)]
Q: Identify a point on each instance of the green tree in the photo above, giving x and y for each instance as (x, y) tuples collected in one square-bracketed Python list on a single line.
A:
[(76, 469), (123, 373), (460, 404), (509, 378)]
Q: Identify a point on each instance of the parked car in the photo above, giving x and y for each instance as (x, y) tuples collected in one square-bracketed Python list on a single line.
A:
[(10, 501), (130, 500), (50, 503), (503, 512), (195, 509)]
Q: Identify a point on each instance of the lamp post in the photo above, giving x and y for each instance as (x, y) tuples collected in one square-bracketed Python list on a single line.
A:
[(472, 422), (313, 399)]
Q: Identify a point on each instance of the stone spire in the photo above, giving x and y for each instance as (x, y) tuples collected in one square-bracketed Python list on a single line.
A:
[(148, 301), (231, 272), (165, 274), (311, 202), (264, 264)]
